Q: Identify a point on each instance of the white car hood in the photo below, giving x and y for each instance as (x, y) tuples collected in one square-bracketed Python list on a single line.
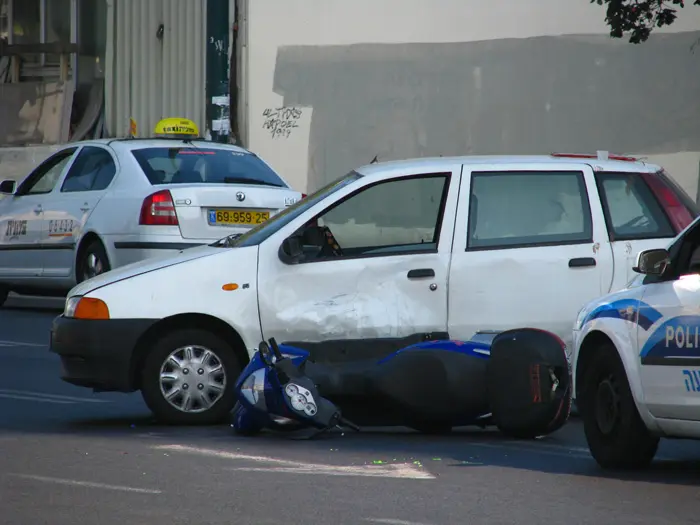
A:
[(144, 266)]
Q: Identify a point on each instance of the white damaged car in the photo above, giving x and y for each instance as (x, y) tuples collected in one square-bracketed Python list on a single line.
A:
[(391, 254)]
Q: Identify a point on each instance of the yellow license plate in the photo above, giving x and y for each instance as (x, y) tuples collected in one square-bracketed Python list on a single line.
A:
[(237, 217)]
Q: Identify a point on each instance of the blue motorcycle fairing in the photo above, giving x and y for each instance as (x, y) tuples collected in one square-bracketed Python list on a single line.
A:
[(473, 348), (248, 417), (252, 415)]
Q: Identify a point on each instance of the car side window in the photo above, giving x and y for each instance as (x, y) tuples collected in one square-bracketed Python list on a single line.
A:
[(529, 208), (93, 170), (632, 211), (44, 178), (389, 218)]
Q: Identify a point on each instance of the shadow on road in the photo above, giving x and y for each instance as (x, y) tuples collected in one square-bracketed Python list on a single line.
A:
[(561, 453)]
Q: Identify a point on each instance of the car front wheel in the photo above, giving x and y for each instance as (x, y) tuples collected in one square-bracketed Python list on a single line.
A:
[(188, 378), (617, 437)]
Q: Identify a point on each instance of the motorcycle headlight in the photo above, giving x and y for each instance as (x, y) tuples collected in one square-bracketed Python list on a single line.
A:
[(253, 389)]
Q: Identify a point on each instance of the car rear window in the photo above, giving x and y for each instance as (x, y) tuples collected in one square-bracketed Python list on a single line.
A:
[(632, 210), (192, 165)]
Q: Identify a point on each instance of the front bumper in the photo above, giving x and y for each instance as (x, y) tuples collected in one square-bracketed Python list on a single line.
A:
[(98, 354)]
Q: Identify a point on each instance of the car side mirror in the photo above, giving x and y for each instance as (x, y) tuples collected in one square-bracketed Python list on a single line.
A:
[(652, 262), (8, 187), (291, 250)]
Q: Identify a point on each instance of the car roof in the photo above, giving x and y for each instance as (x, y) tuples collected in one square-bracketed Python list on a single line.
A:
[(432, 163), (137, 143)]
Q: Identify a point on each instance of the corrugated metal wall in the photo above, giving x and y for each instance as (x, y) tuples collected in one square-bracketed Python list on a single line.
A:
[(150, 78)]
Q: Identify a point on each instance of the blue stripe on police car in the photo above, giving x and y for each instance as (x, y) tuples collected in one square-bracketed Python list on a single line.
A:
[(631, 310)]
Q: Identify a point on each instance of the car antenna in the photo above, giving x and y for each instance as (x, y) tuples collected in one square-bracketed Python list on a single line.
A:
[(374, 160)]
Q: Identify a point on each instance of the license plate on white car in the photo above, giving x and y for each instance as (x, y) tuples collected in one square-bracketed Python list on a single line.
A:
[(237, 217)]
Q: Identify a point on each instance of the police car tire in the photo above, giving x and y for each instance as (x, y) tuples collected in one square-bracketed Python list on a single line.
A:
[(630, 445), (150, 378)]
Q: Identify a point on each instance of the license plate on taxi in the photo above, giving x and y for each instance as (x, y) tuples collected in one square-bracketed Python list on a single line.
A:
[(238, 217)]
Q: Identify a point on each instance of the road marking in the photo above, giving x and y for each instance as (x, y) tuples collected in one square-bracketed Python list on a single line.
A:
[(389, 521), (88, 484), (20, 343), (392, 470), (37, 399), (47, 398)]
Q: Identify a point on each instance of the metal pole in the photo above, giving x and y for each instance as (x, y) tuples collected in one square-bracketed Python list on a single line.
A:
[(217, 79)]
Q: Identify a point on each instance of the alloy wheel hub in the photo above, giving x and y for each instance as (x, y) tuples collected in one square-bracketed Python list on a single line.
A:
[(192, 379)]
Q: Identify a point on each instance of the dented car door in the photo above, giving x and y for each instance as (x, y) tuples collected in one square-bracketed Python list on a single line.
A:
[(374, 268)]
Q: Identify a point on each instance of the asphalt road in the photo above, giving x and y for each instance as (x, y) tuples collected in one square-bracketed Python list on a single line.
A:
[(70, 456)]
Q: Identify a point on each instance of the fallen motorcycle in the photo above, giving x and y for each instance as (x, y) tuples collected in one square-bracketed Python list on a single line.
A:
[(517, 380)]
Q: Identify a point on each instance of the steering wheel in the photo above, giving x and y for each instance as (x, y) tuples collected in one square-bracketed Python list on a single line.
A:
[(330, 244)]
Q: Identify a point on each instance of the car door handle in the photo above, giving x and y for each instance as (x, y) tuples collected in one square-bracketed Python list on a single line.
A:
[(38, 209), (581, 262), (421, 272)]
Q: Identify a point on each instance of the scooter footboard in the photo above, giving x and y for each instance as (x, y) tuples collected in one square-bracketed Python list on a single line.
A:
[(529, 382)]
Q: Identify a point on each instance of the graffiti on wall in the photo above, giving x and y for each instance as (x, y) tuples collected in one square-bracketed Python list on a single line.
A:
[(281, 121)]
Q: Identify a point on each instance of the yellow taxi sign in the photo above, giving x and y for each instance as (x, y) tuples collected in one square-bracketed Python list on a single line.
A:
[(176, 127)]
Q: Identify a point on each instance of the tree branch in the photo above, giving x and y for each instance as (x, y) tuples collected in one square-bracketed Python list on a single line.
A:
[(638, 18)]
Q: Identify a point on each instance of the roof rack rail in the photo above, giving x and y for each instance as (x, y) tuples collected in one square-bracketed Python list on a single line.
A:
[(600, 155)]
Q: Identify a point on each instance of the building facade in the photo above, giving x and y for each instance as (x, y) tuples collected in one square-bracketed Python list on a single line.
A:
[(329, 84), (318, 87)]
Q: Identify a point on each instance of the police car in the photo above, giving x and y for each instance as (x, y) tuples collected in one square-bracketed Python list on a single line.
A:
[(637, 357), (96, 205)]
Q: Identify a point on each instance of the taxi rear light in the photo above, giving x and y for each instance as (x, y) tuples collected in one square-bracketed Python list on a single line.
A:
[(91, 308), (158, 209), (304, 195)]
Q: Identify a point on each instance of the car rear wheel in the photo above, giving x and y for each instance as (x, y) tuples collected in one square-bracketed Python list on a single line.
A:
[(92, 261), (617, 437), (188, 378)]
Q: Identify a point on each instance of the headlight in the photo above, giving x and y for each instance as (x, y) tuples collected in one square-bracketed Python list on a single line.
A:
[(580, 318), (71, 305), (80, 307)]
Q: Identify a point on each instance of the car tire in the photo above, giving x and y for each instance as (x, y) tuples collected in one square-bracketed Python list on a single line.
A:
[(617, 437), (203, 380), (92, 261)]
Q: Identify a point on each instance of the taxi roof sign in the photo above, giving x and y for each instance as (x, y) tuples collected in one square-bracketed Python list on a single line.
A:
[(176, 128)]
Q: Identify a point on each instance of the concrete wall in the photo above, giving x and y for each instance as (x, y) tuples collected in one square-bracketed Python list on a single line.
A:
[(151, 78), (330, 84), (17, 163)]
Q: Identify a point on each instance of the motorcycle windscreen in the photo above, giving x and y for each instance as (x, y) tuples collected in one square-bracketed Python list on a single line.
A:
[(529, 382)]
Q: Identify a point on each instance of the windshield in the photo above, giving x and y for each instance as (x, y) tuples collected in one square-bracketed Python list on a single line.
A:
[(259, 233), (193, 165)]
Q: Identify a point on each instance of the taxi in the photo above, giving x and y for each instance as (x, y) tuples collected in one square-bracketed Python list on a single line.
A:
[(97, 205), (637, 357)]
